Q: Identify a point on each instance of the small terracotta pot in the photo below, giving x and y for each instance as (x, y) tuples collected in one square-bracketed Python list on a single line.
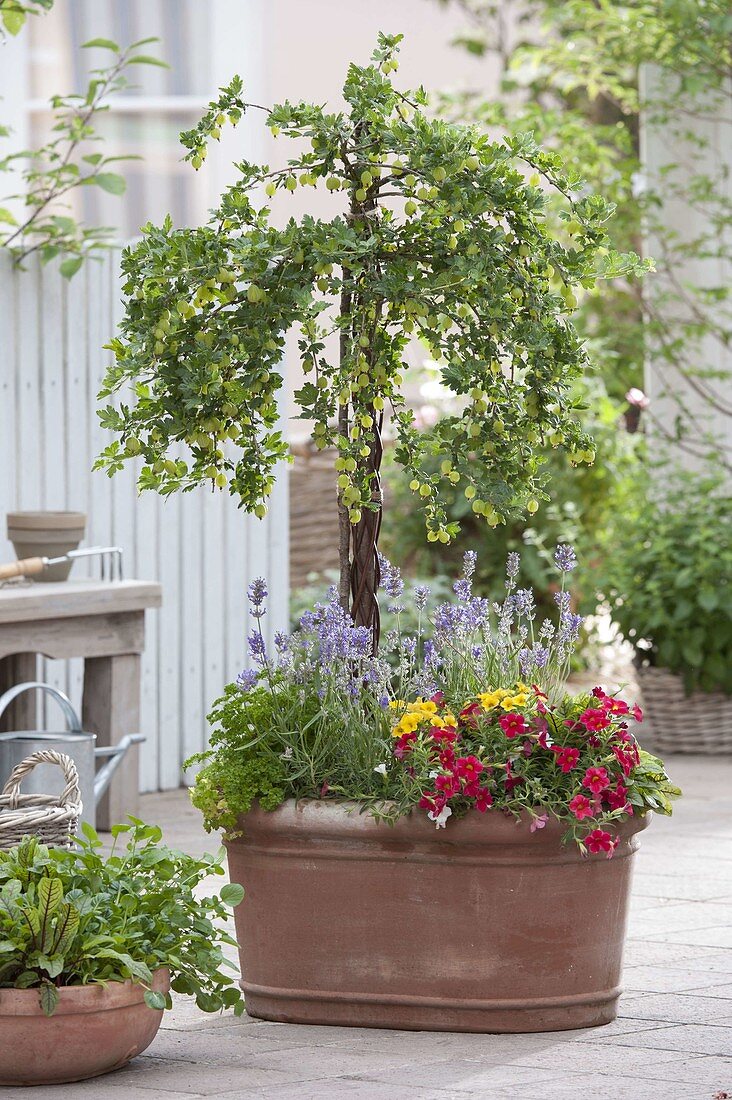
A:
[(46, 535), (481, 926), (94, 1030)]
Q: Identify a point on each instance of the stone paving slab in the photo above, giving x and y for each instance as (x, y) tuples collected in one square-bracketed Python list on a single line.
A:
[(672, 1040)]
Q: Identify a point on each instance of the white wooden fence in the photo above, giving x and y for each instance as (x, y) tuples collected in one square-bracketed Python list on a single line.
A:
[(201, 548)]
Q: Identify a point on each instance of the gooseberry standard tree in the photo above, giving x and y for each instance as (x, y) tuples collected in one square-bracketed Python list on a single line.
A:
[(438, 233)]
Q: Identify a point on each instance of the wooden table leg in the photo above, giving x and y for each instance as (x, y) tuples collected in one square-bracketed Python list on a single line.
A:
[(111, 708), (22, 714)]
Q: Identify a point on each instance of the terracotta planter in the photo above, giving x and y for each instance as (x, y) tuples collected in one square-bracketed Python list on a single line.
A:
[(482, 926), (46, 535), (94, 1030)]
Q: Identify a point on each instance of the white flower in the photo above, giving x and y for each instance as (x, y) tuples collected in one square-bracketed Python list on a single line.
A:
[(441, 818), (434, 773), (381, 769), (287, 754)]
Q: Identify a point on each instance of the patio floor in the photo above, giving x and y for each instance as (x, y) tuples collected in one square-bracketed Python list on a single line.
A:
[(672, 1041)]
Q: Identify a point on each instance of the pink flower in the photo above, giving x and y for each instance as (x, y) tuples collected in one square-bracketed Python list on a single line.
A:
[(444, 733), (324, 789), (512, 724), (538, 822), (438, 698), (618, 799), (637, 713), (594, 720), (447, 758), (468, 768), (448, 785), (599, 841), (581, 807), (566, 758), (596, 780), (432, 801), (469, 715), (627, 756), (511, 780), (404, 744), (483, 799)]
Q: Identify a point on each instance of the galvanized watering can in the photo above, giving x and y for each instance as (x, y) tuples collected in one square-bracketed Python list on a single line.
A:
[(74, 742)]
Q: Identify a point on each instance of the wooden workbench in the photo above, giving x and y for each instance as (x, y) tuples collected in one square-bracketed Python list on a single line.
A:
[(103, 622)]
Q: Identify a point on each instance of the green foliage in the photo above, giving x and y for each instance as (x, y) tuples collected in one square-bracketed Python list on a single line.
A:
[(578, 77), (583, 501), (67, 162), (13, 14), (78, 918), (235, 773), (667, 575), (437, 233)]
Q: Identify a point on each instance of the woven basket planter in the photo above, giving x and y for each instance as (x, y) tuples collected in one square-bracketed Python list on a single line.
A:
[(53, 819), (676, 722)]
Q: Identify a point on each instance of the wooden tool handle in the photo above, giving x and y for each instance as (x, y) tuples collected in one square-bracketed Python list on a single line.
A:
[(25, 568)]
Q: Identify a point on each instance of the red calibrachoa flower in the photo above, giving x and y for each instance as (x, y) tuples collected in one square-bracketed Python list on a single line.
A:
[(513, 724), (448, 785), (596, 780), (444, 733), (404, 744), (618, 799), (581, 807), (600, 841), (627, 755), (483, 799), (566, 757), (594, 720), (469, 715), (468, 768)]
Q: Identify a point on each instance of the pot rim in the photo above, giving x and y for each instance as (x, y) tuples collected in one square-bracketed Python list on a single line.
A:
[(51, 520), (348, 821), (77, 1000)]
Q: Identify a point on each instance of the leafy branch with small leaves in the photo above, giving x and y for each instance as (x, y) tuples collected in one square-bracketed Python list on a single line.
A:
[(79, 918), (439, 233), (13, 14), (53, 173)]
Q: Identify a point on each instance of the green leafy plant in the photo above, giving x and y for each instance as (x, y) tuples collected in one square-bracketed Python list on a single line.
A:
[(667, 576), (583, 502), (13, 14), (78, 918), (585, 77), (69, 160), (438, 231)]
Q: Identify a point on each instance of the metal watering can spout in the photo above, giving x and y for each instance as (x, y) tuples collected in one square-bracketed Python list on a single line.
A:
[(116, 754)]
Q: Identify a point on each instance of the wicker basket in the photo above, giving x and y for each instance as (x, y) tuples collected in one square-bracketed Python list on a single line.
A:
[(53, 819), (676, 722)]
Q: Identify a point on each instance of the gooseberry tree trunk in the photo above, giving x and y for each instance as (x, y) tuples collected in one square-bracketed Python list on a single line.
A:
[(358, 543)]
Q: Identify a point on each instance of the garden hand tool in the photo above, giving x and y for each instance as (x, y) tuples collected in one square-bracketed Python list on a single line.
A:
[(28, 567)]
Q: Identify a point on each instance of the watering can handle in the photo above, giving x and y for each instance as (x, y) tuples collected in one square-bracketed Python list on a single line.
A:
[(26, 567), (73, 724)]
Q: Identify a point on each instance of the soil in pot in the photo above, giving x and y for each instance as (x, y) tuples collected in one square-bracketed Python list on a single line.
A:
[(94, 1030), (46, 535), (482, 926)]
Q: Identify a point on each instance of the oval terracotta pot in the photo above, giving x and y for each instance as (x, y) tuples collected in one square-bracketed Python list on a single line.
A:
[(480, 926), (94, 1030)]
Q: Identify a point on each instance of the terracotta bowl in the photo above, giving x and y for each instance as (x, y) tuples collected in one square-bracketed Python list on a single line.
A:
[(94, 1030), (46, 535)]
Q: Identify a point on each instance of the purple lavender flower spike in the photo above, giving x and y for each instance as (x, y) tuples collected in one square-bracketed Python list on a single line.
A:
[(421, 595), (462, 589), (391, 578), (513, 563), (246, 680), (470, 560), (565, 558), (257, 648), (257, 593)]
